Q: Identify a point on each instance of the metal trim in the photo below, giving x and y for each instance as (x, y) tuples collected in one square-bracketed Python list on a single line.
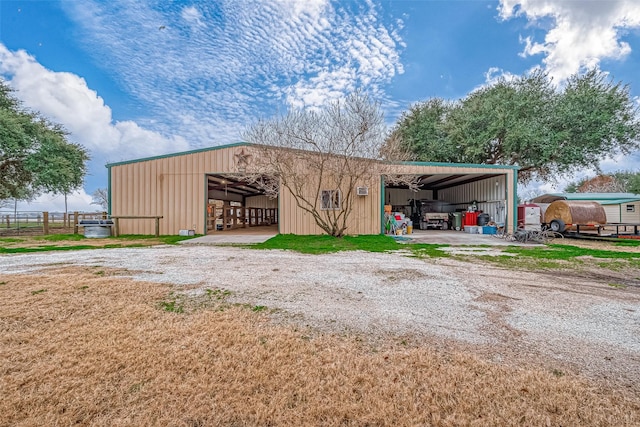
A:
[(461, 165), (514, 213), (381, 204), (182, 153), (108, 190)]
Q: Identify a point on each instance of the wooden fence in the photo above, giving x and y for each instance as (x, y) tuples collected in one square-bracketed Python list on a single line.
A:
[(43, 223)]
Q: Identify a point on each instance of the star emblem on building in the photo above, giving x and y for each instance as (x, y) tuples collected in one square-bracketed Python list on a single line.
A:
[(242, 160)]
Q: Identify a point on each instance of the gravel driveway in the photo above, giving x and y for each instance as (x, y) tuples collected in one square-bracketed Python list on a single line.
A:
[(565, 322)]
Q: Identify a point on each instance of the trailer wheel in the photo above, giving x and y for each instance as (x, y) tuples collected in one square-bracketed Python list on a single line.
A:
[(445, 225), (558, 226)]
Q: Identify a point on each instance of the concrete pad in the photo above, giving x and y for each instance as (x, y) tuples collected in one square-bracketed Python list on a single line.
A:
[(450, 237), (455, 238), (228, 238)]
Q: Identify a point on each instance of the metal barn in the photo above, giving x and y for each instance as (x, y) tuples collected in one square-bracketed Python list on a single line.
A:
[(197, 190)]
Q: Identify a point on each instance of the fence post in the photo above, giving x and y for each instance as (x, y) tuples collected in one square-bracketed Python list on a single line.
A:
[(75, 223), (8, 222), (157, 227), (116, 226), (45, 223)]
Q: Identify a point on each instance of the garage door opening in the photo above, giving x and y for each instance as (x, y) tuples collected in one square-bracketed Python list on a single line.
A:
[(240, 206), (445, 202)]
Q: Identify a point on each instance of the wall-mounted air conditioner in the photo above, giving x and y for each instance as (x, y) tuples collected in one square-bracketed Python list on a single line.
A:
[(362, 191)]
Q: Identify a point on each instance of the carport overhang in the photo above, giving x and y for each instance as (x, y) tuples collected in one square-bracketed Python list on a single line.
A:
[(232, 184), (435, 182), (436, 177)]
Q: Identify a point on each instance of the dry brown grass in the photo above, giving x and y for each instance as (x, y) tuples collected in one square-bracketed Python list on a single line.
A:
[(94, 349), (38, 241)]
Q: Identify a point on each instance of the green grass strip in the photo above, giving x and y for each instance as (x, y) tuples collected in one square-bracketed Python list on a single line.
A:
[(627, 242), (9, 240), (329, 244), (60, 237), (566, 252)]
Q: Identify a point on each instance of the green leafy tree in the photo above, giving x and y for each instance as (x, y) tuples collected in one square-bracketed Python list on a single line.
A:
[(16, 144), (595, 117), (35, 155), (60, 165), (572, 187), (423, 131), (629, 180), (527, 122)]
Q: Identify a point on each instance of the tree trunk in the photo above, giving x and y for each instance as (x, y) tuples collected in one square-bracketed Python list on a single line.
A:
[(66, 212)]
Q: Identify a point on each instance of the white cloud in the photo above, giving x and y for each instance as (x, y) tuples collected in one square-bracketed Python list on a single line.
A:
[(581, 33), (66, 99), (495, 74), (78, 201), (207, 70), (312, 8), (253, 57), (192, 16)]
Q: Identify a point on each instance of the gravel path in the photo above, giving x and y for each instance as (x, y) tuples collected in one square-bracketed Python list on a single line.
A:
[(506, 315)]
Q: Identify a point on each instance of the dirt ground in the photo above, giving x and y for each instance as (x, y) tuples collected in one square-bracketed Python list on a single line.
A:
[(88, 346), (39, 241)]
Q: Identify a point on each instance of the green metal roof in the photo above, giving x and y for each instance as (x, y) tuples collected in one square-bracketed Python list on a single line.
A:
[(602, 198), (461, 165), (237, 144), (619, 201)]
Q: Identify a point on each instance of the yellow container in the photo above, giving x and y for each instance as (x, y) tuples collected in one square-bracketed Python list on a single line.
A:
[(409, 229)]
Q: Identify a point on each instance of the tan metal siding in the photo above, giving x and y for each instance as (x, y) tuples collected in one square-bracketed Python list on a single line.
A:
[(364, 218), (631, 217), (612, 212), (172, 187)]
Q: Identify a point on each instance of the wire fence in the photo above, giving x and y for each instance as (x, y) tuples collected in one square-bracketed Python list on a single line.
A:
[(34, 223)]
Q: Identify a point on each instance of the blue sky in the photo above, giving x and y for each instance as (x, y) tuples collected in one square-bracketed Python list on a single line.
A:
[(133, 78)]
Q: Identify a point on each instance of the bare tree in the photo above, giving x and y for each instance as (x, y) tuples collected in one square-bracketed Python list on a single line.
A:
[(321, 156), (601, 184), (101, 198)]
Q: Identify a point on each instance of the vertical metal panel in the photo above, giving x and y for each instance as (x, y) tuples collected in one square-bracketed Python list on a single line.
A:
[(489, 193), (630, 217), (171, 186), (613, 212), (262, 202)]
